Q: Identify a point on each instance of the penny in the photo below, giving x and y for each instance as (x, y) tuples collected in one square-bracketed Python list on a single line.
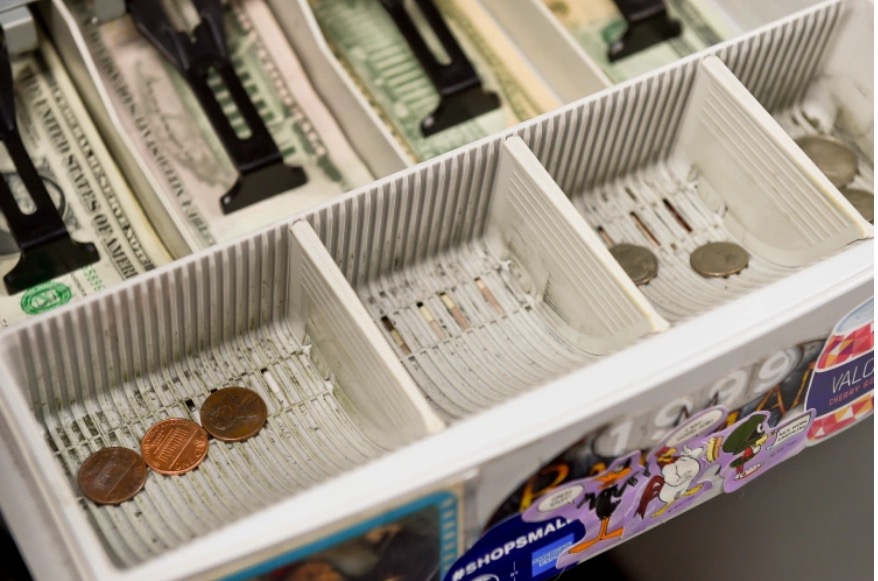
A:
[(112, 475), (835, 159), (719, 259), (233, 414), (638, 262), (862, 200), (174, 446)]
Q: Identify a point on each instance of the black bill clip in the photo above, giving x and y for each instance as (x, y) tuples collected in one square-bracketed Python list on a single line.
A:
[(47, 250), (460, 89), (648, 24), (262, 172)]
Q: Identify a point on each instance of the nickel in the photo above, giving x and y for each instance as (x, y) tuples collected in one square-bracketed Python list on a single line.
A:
[(174, 446), (638, 262), (862, 200), (112, 475), (233, 414), (719, 259), (835, 159)]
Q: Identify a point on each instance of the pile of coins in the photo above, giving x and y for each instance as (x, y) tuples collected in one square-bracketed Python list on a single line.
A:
[(172, 447), (838, 162), (711, 260)]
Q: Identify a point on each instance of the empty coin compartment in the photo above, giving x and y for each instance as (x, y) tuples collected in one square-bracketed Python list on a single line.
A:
[(272, 314), (482, 277), (688, 156)]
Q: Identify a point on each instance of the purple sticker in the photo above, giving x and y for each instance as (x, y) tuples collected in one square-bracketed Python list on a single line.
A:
[(677, 473), (601, 503), (751, 446)]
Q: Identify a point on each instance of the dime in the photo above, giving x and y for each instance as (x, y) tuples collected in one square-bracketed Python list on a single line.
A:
[(862, 200), (832, 157), (719, 259), (639, 263), (112, 475), (233, 414), (174, 446)]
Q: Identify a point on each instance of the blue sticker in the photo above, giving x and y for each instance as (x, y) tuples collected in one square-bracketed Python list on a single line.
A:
[(514, 549)]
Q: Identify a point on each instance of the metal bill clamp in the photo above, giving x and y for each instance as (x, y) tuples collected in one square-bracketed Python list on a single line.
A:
[(47, 250), (262, 172), (648, 24), (458, 84)]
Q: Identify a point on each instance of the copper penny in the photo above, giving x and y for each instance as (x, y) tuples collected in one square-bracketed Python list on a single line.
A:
[(862, 200), (112, 475), (719, 259), (174, 446), (233, 414), (638, 262)]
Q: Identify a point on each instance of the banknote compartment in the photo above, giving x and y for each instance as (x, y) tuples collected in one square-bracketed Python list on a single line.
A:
[(191, 151), (482, 277), (400, 81), (272, 314), (381, 152)]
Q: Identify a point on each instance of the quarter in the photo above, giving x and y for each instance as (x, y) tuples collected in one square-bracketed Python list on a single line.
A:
[(233, 414), (862, 200), (174, 446), (719, 259), (638, 262), (112, 475), (835, 159)]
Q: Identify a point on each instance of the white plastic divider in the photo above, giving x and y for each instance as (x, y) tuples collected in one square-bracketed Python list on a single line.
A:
[(571, 271), (364, 129), (561, 61), (103, 371), (772, 198), (347, 342)]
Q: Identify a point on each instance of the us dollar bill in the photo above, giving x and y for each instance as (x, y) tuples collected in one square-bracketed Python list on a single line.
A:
[(596, 24), (368, 44), (176, 144), (83, 181)]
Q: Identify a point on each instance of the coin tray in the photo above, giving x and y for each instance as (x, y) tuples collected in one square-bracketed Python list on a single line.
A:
[(478, 279), (482, 276), (272, 314), (727, 172)]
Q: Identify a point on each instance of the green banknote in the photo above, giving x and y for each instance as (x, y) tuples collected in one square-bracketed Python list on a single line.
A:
[(83, 181), (176, 144), (369, 45), (595, 24)]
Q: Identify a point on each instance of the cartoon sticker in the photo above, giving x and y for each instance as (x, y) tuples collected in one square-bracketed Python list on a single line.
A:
[(841, 391), (751, 446), (678, 474), (601, 503)]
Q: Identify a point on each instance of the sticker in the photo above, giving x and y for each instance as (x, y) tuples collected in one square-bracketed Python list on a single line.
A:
[(842, 385), (678, 474), (419, 540), (751, 446), (44, 297), (601, 504), (517, 550)]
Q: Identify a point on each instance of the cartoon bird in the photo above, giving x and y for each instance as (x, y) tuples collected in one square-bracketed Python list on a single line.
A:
[(605, 501), (678, 472), (745, 442)]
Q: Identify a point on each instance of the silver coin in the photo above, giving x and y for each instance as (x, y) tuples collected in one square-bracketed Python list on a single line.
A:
[(719, 259), (835, 159), (862, 200), (638, 262)]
